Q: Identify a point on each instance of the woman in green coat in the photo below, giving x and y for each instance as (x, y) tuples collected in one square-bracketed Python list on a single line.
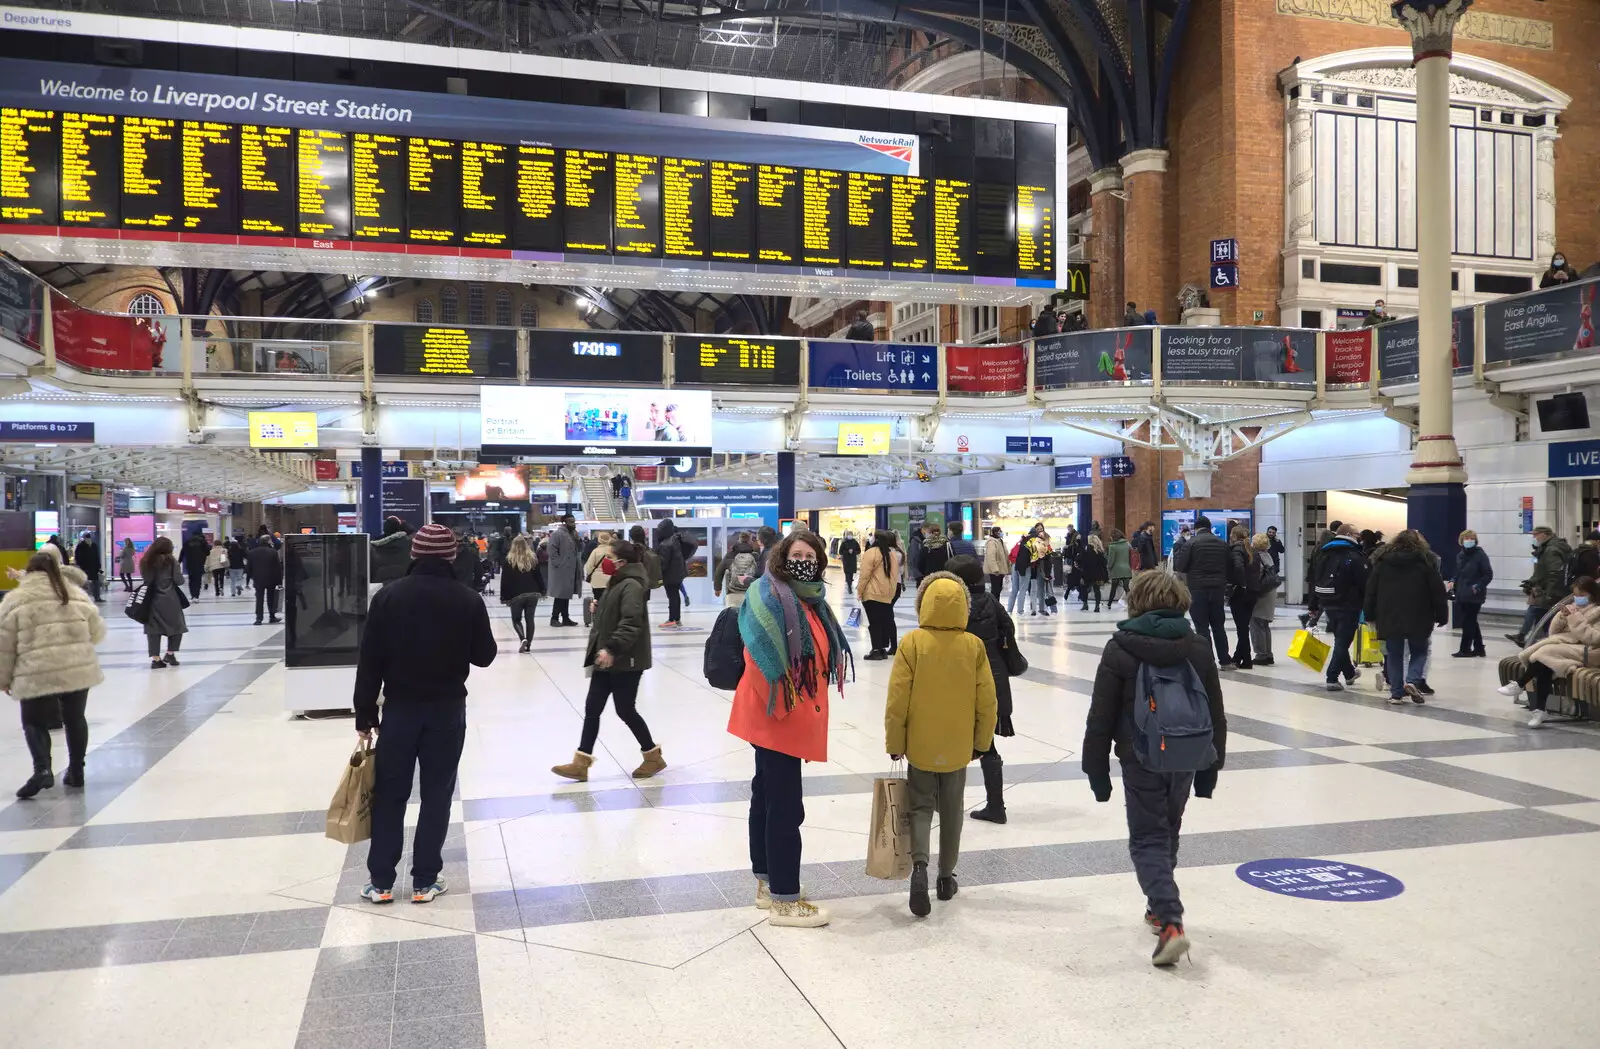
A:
[(1119, 565)]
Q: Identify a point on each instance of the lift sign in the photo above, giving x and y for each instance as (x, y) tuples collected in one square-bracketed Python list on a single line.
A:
[(1320, 880)]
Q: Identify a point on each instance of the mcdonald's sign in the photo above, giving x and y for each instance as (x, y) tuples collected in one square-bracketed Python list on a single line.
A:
[(1077, 286)]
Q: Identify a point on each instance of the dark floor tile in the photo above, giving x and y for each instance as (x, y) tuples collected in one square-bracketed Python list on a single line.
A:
[(555, 914), (680, 883), (217, 925), (706, 900), (297, 918), (496, 917), (264, 941), (343, 983), (360, 956), (188, 947), (416, 976), (355, 1011), (631, 888), (438, 949), (542, 895), (456, 1000), (624, 907), (372, 1036), (449, 1032)]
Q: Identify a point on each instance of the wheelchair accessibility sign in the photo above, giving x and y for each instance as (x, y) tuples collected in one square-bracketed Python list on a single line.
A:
[(1321, 880)]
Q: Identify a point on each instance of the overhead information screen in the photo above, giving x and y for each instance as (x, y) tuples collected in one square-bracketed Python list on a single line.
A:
[(994, 230), (433, 190), (536, 216), (416, 349), (636, 229), (30, 158), (867, 220), (822, 225), (209, 156), (377, 187), (732, 212), (685, 197), (485, 185), (323, 198), (952, 226), (736, 360), (267, 188), (586, 193), (778, 207), (598, 356), (91, 171), (347, 165), (1036, 236), (910, 246)]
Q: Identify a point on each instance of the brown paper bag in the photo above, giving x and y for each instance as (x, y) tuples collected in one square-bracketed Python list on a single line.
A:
[(350, 812), (889, 849)]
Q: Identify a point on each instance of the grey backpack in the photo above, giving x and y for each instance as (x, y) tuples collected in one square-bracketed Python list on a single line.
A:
[(1172, 719), (742, 571)]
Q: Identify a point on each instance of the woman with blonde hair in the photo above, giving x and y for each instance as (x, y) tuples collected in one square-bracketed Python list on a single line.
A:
[(48, 632), (592, 575), (521, 587), (1266, 605)]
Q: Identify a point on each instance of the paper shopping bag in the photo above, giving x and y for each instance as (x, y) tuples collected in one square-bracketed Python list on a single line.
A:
[(1309, 650), (889, 848), (350, 812), (1371, 647)]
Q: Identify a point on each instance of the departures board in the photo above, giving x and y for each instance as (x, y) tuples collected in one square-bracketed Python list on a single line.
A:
[(71, 169)]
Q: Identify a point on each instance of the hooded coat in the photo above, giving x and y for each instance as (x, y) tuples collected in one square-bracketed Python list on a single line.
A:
[(622, 621), (942, 704), (935, 552), (1162, 638), (1548, 583), (880, 573), (1118, 562), (47, 646), (390, 553), (669, 547), (995, 561), (561, 571), (849, 554), (1405, 593)]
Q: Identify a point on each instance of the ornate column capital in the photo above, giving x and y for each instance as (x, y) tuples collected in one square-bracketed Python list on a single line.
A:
[(1432, 24), (1105, 179)]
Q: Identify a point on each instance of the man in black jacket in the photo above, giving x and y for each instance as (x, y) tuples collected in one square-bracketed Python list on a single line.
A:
[(1275, 550), (422, 633), (1203, 563), (674, 569), (1144, 544), (960, 547), (1405, 600), (266, 575), (1155, 633), (1339, 584), (86, 555)]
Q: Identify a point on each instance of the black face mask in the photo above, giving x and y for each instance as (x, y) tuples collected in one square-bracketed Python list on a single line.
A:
[(803, 571)]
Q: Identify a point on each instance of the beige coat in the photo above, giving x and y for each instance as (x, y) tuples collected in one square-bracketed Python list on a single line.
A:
[(995, 561), (591, 568), (877, 580), (47, 647), (1569, 644)]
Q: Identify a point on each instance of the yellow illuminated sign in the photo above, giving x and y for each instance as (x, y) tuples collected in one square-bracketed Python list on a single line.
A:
[(863, 438), (283, 429)]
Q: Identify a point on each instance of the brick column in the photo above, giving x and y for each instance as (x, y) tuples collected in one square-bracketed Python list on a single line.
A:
[(1149, 265), (1105, 250)]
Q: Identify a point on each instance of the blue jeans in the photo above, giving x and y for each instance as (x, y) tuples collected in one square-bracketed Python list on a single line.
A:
[(1399, 670), (777, 809), (1040, 590), (1019, 583), (1530, 619)]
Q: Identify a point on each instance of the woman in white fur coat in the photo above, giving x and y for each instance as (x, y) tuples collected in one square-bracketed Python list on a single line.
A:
[(48, 632)]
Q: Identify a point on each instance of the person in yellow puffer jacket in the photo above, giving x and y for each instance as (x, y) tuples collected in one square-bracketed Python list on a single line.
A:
[(940, 715)]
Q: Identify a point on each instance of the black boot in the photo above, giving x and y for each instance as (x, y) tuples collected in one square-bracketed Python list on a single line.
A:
[(946, 887), (73, 777), (994, 808), (919, 891)]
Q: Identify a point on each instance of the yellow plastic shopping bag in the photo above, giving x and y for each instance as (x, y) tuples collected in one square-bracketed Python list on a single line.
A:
[(1309, 650), (1371, 647)]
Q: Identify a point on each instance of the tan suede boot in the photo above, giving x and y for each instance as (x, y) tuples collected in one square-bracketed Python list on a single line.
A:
[(578, 769), (652, 764)]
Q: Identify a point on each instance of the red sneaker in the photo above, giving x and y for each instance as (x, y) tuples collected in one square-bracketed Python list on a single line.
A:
[(1171, 944)]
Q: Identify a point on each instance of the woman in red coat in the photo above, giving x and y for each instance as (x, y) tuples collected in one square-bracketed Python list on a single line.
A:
[(794, 649)]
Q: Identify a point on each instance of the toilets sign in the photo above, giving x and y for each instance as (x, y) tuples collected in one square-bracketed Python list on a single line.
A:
[(1321, 880), (1575, 458)]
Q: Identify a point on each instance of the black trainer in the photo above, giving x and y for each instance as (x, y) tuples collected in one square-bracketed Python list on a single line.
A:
[(946, 887)]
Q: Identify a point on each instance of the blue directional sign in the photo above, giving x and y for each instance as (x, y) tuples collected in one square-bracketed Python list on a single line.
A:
[(1175, 489), (1030, 445), (1074, 475), (1115, 466), (874, 366), (1224, 274)]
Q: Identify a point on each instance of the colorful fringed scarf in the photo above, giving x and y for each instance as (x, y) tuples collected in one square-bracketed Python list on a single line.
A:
[(776, 632)]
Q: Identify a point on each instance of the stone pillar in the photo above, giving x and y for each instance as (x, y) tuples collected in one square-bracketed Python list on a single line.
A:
[(1105, 271), (1149, 267), (1437, 504), (1544, 192), (1301, 200)]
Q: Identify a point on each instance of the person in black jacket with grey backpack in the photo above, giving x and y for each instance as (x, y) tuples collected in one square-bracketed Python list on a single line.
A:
[(1156, 638)]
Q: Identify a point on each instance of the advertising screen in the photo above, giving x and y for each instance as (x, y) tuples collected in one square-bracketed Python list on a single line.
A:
[(864, 438), (283, 429), (562, 420)]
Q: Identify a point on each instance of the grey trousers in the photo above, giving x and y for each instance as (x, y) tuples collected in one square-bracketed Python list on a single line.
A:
[(944, 791), (1261, 638), (1156, 801)]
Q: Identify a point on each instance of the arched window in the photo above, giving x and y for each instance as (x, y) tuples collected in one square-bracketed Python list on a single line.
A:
[(477, 313), (502, 308), (529, 316), (424, 311), (449, 305), (145, 304)]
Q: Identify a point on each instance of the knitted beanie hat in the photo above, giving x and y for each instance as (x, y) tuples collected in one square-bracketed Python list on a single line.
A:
[(433, 540)]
